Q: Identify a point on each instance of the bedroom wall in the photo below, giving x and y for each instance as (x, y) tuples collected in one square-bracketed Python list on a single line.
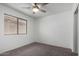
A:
[(56, 29), (75, 30), (8, 42), (75, 37), (78, 30)]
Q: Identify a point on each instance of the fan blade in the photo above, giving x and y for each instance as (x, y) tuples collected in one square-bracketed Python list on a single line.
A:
[(42, 10), (26, 7), (44, 4)]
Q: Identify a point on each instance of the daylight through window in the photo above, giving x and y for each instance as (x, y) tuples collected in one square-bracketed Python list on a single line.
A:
[(14, 25)]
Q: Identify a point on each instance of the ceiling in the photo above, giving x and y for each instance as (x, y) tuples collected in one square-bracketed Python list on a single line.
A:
[(51, 8)]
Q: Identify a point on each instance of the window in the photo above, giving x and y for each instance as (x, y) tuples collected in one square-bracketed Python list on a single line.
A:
[(21, 26), (14, 25)]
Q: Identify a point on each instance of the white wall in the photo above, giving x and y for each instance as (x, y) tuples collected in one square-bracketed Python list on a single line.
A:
[(8, 42), (78, 30), (56, 30), (74, 9)]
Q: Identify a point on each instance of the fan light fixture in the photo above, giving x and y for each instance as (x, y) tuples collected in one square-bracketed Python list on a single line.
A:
[(35, 9)]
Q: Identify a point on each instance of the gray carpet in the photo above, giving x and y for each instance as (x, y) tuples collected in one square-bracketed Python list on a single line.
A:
[(39, 49)]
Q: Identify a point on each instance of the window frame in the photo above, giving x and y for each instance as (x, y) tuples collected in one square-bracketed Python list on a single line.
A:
[(17, 33)]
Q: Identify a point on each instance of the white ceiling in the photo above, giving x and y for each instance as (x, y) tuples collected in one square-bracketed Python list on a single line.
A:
[(51, 8)]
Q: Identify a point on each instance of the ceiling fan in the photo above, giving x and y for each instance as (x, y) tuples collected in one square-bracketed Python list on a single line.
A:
[(37, 7)]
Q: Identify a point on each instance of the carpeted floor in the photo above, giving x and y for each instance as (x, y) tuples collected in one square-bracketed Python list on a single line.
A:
[(39, 49)]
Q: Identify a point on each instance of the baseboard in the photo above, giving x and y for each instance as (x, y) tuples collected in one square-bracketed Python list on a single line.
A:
[(16, 47), (53, 45)]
